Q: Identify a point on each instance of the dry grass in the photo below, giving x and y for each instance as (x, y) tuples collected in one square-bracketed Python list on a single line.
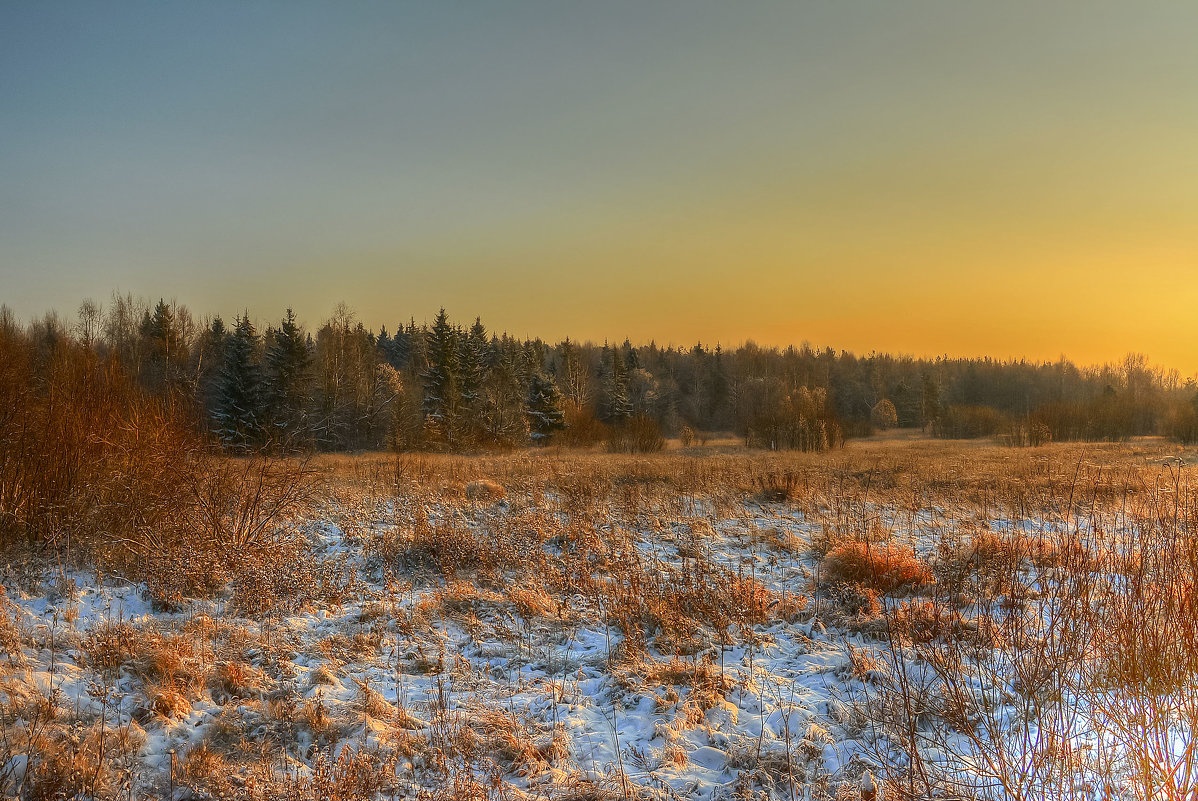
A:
[(485, 491), (883, 567), (623, 543)]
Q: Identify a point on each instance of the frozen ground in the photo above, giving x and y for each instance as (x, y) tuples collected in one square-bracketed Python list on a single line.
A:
[(481, 648)]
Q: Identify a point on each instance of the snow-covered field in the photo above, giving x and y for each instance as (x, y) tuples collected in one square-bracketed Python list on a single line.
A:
[(492, 639)]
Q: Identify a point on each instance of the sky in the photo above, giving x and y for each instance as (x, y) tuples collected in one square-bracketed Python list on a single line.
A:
[(1014, 179)]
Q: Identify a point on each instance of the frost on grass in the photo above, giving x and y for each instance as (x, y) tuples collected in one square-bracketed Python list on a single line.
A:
[(599, 626)]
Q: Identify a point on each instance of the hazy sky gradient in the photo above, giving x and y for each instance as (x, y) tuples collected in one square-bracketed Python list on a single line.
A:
[(1012, 179)]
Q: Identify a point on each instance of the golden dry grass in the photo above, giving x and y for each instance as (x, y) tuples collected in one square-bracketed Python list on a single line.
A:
[(564, 550)]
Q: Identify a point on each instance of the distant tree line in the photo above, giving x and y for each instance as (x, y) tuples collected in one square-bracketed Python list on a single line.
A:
[(453, 386)]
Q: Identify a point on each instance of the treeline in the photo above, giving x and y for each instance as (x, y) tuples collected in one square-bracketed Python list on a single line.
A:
[(453, 386)]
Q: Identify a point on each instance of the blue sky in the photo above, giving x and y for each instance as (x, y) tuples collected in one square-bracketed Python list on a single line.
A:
[(926, 177)]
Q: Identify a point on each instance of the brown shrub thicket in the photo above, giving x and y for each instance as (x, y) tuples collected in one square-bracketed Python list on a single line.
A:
[(640, 434), (95, 470)]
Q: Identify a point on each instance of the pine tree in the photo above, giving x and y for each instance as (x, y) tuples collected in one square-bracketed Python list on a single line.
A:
[(239, 396), (545, 416), (288, 365), (716, 411)]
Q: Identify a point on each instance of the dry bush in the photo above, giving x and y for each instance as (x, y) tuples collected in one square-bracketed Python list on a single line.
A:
[(967, 422), (883, 567), (507, 741), (856, 600), (322, 675), (99, 471), (204, 769), (643, 600), (485, 491), (532, 600), (707, 682), (924, 621), (352, 775), (582, 429), (324, 726), (640, 434), (686, 436), (1105, 650), (449, 546), (167, 702), (111, 645), (777, 486), (985, 559), (68, 765), (231, 679), (173, 661), (10, 632), (372, 703), (283, 575)]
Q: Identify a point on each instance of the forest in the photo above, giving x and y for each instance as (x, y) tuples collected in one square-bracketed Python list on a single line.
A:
[(457, 386)]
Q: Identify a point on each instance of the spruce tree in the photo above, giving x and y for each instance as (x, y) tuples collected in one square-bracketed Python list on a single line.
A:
[(384, 344), (632, 361), (164, 349), (239, 397), (545, 416), (503, 403), (288, 365), (617, 407), (441, 379), (473, 358)]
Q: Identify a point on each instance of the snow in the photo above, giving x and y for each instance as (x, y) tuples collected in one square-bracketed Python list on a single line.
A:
[(784, 703)]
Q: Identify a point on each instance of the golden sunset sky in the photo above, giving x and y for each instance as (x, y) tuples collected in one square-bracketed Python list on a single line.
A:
[(1013, 179)]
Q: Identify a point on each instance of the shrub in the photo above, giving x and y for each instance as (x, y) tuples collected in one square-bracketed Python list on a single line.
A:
[(640, 434), (856, 599), (991, 560), (884, 415), (971, 422), (286, 576), (484, 490), (879, 566), (582, 429), (777, 486), (686, 436), (97, 470)]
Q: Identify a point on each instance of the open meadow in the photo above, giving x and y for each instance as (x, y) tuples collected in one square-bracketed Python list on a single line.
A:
[(906, 617)]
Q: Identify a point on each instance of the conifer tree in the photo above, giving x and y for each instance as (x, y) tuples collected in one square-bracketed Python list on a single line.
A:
[(545, 417), (474, 352), (503, 401), (617, 407), (384, 343), (400, 353), (930, 405), (441, 394), (239, 400), (288, 377), (575, 375), (632, 360), (163, 347)]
